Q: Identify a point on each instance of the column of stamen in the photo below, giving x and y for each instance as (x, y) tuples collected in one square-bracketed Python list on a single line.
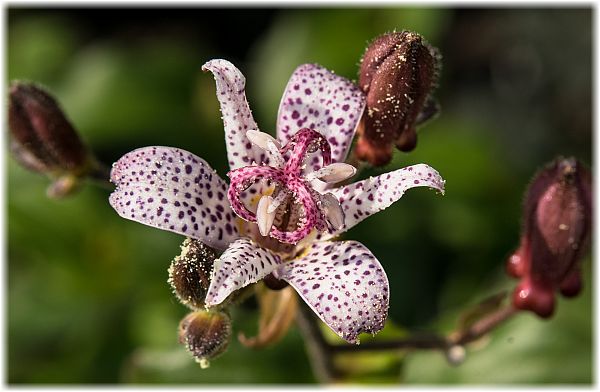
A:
[(293, 191)]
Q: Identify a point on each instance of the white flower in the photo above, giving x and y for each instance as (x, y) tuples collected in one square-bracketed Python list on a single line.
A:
[(280, 209)]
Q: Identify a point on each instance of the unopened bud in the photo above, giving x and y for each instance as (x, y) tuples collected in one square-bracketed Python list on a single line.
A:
[(43, 140), (398, 73), (557, 218), (189, 273), (205, 334)]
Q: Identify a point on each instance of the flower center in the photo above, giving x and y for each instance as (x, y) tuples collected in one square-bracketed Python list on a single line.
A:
[(294, 207)]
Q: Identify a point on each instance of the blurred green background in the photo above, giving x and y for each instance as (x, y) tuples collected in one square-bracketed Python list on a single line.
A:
[(88, 300)]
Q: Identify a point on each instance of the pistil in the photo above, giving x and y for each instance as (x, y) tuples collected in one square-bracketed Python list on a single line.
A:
[(293, 195)]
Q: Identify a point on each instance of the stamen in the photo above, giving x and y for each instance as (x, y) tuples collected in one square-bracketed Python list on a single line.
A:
[(264, 219), (305, 141), (308, 210), (333, 173), (267, 143), (332, 210), (279, 199), (274, 154), (261, 139)]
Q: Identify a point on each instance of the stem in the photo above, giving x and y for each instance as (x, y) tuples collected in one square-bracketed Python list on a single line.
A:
[(422, 342), (322, 353), (483, 326), (100, 175), (436, 342), (318, 349)]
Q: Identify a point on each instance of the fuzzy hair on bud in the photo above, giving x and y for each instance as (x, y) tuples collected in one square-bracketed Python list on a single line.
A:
[(398, 72), (205, 334), (189, 273)]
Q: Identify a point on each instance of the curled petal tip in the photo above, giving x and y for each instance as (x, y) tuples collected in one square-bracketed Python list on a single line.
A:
[(364, 198)]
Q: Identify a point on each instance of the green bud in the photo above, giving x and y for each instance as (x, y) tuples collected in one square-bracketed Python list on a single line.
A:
[(189, 273), (205, 334)]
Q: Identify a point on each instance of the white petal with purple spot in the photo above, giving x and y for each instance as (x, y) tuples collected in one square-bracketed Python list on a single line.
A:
[(237, 116), (241, 264), (318, 99), (174, 190), (367, 197), (344, 284)]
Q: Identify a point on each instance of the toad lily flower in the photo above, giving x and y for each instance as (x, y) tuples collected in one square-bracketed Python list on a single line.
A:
[(280, 209)]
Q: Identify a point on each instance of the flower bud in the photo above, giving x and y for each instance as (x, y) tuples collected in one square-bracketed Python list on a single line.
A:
[(43, 140), (398, 72), (556, 230), (189, 273), (205, 334)]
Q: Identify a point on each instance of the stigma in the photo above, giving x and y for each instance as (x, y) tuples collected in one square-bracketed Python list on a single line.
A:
[(289, 207)]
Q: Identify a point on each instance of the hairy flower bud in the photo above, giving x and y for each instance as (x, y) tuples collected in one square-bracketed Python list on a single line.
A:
[(206, 334), (556, 230), (398, 72), (189, 273), (43, 140)]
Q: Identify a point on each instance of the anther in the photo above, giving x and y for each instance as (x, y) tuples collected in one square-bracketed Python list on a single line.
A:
[(267, 143), (279, 199), (264, 218), (332, 210), (261, 139), (333, 173)]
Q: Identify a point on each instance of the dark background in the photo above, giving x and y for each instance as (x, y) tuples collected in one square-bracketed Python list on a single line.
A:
[(88, 300)]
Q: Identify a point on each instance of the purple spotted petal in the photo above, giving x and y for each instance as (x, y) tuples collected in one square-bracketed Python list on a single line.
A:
[(241, 264), (364, 198), (318, 99), (237, 117), (344, 284), (174, 190)]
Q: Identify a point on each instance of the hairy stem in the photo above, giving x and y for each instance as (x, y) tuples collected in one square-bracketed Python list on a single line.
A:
[(318, 349)]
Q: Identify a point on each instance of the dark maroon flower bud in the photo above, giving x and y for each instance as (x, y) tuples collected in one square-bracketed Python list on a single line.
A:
[(556, 229), (398, 73), (206, 334), (189, 273), (43, 140)]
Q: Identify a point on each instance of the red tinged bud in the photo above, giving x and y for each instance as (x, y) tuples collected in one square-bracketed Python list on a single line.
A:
[(556, 231), (398, 73), (43, 140)]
